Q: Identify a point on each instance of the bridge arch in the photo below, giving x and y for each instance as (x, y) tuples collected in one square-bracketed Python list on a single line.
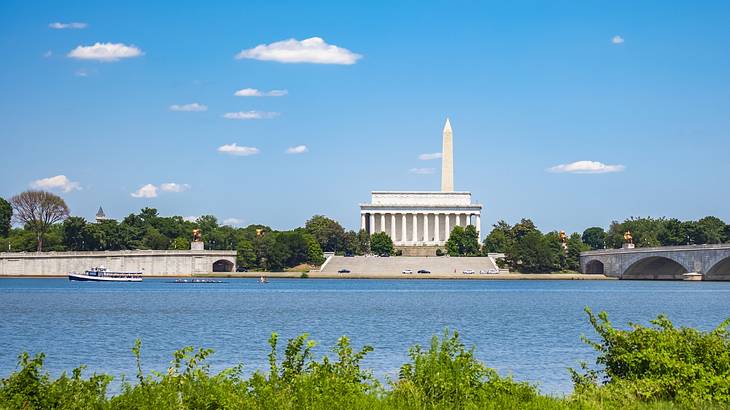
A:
[(719, 271), (655, 267), (223, 265), (594, 267)]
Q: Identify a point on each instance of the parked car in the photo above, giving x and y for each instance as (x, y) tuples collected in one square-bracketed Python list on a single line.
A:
[(407, 272), (489, 271), (349, 255), (469, 272), (343, 270), (424, 271), (384, 255)]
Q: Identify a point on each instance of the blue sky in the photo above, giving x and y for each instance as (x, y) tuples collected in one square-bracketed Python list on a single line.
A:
[(640, 87)]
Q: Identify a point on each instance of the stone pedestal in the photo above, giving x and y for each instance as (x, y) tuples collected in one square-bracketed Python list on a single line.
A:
[(628, 246), (197, 246)]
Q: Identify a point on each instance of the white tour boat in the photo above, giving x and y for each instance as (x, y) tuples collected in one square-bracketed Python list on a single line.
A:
[(102, 274)]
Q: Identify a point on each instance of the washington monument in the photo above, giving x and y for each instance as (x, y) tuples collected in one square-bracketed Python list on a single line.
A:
[(447, 159)]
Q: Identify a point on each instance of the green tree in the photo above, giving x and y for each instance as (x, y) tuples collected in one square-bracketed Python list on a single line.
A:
[(673, 232), (381, 244), (245, 255), (595, 237), (6, 215), (349, 243), (75, 233), (645, 232), (535, 253), (314, 251), (710, 230), (38, 211), (328, 232), (363, 242), (498, 241), (180, 243), (153, 239), (572, 254), (463, 241)]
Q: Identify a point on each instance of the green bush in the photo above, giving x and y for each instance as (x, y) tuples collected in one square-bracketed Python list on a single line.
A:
[(655, 367), (658, 363)]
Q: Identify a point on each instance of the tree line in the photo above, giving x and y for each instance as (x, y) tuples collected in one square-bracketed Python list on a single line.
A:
[(44, 223)]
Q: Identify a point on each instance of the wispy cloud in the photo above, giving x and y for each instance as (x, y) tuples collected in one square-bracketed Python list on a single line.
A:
[(106, 52), (250, 115), (428, 157), (174, 187), (253, 92), (233, 149), (299, 149), (312, 50), (232, 221), (48, 54), (192, 107), (63, 26), (617, 40), (421, 171), (146, 191), (586, 167), (60, 182), (81, 72)]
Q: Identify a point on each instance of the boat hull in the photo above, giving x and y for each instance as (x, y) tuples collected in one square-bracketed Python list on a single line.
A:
[(88, 278)]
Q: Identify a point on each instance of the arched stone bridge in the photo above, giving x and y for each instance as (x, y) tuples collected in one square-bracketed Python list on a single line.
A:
[(666, 262)]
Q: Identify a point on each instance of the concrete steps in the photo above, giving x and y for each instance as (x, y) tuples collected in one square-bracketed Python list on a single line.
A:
[(397, 264)]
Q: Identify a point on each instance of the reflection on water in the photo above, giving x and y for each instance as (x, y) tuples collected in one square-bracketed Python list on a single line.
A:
[(530, 329)]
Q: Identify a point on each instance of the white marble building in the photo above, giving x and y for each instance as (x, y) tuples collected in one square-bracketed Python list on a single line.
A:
[(422, 218)]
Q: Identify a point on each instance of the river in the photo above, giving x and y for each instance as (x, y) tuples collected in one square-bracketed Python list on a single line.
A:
[(529, 329)]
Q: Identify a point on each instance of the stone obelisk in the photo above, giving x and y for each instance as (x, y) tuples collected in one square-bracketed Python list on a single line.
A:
[(447, 160)]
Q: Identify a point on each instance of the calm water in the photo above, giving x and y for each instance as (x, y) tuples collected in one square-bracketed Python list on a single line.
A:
[(530, 329)]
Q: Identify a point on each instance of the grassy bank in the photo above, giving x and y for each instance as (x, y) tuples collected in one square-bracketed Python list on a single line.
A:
[(652, 367)]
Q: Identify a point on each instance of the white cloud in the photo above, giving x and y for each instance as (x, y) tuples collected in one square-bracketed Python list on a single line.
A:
[(174, 187), (146, 191), (60, 182), (192, 107), (253, 92), (250, 115), (63, 26), (299, 149), (427, 157), (421, 171), (617, 40), (232, 221), (106, 52), (312, 50), (586, 167), (234, 149)]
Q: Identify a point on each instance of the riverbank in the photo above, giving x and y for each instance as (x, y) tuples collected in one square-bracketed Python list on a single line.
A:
[(414, 276), (376, 276)]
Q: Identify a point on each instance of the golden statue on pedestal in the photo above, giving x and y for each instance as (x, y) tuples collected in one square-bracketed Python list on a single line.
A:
[(197, 235), (628, 238)]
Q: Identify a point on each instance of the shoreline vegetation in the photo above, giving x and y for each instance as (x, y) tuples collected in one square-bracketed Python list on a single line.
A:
[(643, 367), (261, 248)]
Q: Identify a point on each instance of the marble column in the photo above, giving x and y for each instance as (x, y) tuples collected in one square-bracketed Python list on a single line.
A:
[(478, 224), (426, 236), (436, 227), (403, 229), (382, 222), (447, 227), (414, 228), (362, 221), (392, 227), (372, 224)]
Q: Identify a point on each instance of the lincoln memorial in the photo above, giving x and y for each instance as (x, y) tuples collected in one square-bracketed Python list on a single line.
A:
[(422, 219)]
